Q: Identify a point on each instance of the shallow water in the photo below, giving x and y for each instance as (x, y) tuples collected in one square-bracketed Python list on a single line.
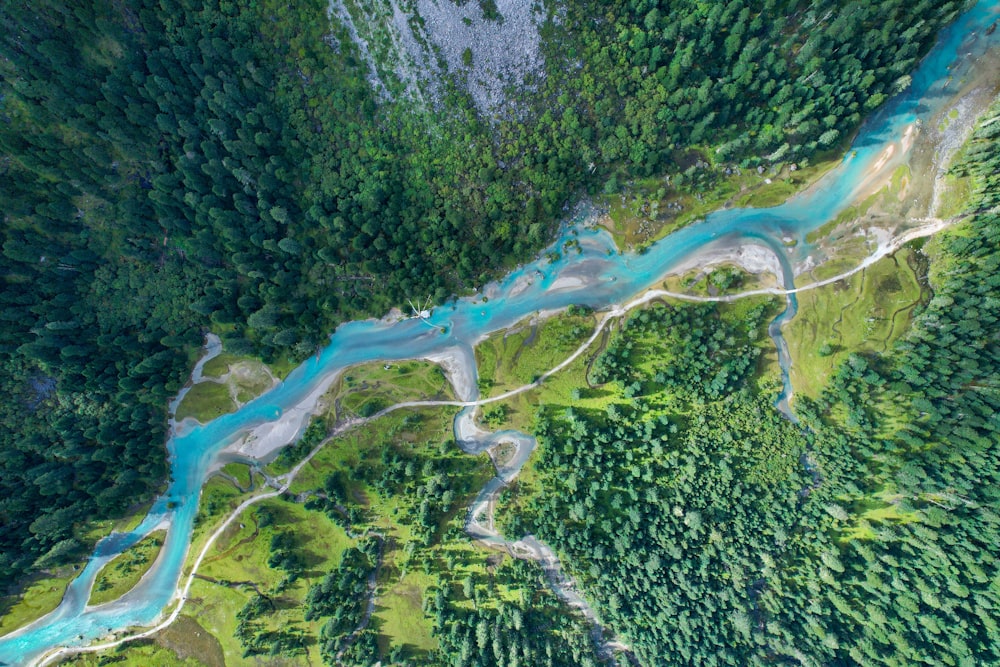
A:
[(605, 278)]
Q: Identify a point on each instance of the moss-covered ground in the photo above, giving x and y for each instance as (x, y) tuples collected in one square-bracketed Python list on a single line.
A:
[(38, 598), (205, 401), (365, 389), (519, 355), (123, 572), (863, 313)]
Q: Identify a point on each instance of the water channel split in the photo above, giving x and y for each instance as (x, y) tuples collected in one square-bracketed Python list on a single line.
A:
[(596, 277)]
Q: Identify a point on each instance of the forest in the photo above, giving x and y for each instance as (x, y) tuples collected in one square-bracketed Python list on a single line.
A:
[(710, 531), (170, 167), (365, 562)]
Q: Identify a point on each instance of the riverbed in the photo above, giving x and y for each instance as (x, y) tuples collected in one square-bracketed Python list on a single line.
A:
[(598, 277)]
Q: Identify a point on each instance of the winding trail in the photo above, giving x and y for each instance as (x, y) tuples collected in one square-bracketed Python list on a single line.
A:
[(479, 522), (598, 277)]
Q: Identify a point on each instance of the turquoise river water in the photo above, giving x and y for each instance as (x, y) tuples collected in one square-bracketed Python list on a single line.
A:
[(595, 277)]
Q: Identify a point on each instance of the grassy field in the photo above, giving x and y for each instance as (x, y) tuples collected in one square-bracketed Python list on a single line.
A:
[(719, 280), (206, 401), (235, 567), (364, 390), (348, 451), (229, 382), (569, 387), (238, 566), (241, 472), (124, 571), (423, 435), (880, 507), (146, 652), (865, 312), (218, 366), (519, 355), (647, 209), (38, 598)]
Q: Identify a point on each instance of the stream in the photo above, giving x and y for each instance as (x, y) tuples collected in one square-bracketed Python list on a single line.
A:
[(598, 276)]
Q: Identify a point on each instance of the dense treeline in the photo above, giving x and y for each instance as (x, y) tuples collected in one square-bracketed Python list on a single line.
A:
[(913, 436), (170, 166), (669, 503), (709, 531), (341, 598), (704, 359), (480, 607), (770, 81), (527, 626)]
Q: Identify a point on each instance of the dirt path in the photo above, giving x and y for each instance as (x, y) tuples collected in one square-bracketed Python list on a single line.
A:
[(284, 481)]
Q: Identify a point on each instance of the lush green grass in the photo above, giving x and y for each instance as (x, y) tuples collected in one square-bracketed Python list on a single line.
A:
[(557, 391), (205, 402), (642, 212), (399, 614), (955, 195), (218, 498), (141, 653), (218, 366), (348, 451), (37, 599), (518, 356), (205, 632), (124, 571), (399, 618), (880, 507), (865, 312), (241, 472), (366, 389), (425, 433), (241, 554), (718, 280), (785, 185), (246, 378)]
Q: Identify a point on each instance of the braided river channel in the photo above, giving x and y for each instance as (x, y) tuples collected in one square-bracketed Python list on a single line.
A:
[(597, 276)]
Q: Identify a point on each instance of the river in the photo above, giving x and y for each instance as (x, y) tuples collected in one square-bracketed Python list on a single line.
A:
[(598, 277)]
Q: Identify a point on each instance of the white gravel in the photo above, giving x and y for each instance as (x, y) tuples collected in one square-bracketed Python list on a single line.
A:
[(409, 46), (505, 52)]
